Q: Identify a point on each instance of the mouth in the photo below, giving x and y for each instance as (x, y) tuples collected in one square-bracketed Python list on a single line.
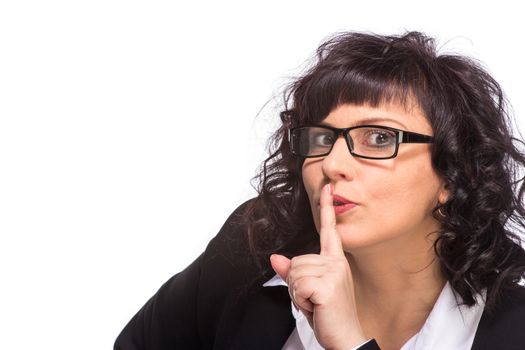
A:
[(343, 208), (338, 200), (341, 204)]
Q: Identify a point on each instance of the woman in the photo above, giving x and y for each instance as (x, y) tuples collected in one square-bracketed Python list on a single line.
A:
[(385, 217)]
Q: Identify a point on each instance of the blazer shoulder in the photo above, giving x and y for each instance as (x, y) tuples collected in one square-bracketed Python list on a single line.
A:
[(184, 312), (503, 328), (232, 233), (227, 262)]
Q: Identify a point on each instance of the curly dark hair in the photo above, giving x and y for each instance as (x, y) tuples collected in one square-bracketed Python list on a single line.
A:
[(474, 152)]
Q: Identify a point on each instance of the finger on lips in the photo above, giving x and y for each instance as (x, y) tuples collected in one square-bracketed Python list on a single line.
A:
[(303, 273), (329, 238)]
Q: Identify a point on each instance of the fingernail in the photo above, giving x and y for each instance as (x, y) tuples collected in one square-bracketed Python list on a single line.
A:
[(330, 189)]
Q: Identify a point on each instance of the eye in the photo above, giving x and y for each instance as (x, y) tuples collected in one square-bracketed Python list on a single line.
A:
[(324, 140), (380, 138)]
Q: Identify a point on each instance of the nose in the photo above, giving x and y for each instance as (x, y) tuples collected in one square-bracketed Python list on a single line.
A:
[(339, 163)]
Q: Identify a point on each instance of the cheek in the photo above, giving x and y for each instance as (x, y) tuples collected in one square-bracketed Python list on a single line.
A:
[(391, 203), (412, 195), (311, 173), (312, 180), (410, 188)]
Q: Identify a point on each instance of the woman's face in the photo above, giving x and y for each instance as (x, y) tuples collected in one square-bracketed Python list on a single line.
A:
[(394, 197)]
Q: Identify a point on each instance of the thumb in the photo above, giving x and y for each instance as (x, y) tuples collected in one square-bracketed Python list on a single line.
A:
[(281, 265)]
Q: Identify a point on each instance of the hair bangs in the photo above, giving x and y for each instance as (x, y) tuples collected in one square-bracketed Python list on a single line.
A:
[(353, 85)]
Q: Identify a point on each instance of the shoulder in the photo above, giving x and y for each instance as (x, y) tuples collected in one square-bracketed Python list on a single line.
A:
[(228, 267), (231, 236), (502, 328), (185, 311), (229, 249)]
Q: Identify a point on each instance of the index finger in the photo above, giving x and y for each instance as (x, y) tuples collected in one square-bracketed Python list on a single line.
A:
[(330, 240)]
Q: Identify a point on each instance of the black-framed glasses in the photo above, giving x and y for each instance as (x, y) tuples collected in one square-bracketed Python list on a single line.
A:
[(364, 141)]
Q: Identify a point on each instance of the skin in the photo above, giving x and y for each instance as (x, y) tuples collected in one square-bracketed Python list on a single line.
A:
[(377, 275)]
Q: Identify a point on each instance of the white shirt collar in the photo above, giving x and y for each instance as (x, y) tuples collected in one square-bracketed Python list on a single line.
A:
[(446, 327)]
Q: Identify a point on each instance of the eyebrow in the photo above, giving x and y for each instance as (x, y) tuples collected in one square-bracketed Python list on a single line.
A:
[(370, 121)]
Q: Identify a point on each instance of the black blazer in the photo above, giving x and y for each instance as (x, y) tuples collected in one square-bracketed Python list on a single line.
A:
[(208, 306)]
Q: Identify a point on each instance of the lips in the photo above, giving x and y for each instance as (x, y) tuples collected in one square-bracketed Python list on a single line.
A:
[(340, 209), (338, 200), (341, 204)]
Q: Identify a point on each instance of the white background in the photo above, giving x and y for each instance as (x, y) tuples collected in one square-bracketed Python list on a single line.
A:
[(129, 130)]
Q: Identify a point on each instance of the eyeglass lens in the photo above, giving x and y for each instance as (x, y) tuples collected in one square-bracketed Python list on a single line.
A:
[(366, 141)]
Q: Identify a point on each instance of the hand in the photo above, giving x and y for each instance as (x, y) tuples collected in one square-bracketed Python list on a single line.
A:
[(321, 286)]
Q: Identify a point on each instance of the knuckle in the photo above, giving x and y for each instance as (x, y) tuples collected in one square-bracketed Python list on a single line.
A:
[(291, 275), (298, 286)]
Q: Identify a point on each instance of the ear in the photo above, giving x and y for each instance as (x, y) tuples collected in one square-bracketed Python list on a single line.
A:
[(444, 193)]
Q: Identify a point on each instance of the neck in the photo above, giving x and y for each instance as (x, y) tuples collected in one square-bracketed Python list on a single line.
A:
[(396, 285)]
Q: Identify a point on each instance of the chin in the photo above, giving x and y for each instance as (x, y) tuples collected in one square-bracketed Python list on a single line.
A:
[(355, 237)]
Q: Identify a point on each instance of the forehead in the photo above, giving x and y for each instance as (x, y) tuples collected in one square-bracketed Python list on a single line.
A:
[(407, 117)]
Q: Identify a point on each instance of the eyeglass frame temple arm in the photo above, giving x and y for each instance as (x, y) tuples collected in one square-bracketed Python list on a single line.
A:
[(414, 137)]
